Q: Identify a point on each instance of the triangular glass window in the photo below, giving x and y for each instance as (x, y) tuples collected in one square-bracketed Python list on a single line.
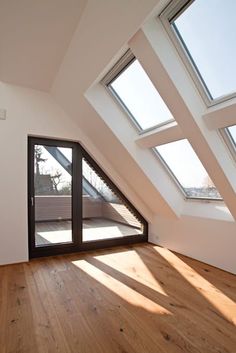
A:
[(106, 214), (73, 205)]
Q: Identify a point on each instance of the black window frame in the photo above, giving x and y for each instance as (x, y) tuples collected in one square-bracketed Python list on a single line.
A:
[(77, 204)]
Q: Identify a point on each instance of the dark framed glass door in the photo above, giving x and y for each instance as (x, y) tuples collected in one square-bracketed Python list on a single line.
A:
[(73, 205), (53, 202)]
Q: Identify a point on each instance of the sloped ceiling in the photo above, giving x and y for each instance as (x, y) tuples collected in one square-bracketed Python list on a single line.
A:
[(34, 36), (103, 29)]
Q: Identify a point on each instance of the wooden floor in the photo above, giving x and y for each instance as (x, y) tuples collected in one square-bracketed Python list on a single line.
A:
[(142, 299)]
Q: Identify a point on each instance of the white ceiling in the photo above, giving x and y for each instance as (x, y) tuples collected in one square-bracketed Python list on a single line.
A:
[(34, 36)]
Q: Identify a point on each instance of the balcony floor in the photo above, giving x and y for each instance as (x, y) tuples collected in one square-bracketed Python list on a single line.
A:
[(55, 232)]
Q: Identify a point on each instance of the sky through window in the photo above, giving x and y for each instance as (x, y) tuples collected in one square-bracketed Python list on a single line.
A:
[(208, 31), (140, 97), (188, 170)]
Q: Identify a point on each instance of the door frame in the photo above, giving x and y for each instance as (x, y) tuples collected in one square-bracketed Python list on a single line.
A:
[(77, 204)]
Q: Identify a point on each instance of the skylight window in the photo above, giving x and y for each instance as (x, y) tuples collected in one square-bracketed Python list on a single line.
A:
[(232, 131), (138, 96), (229, 136), (206, 31), (187, 169)]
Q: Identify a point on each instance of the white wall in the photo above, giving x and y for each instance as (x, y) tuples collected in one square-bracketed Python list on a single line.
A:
[(209, 240), (204, 230), (36, 113), (31, 112), (28, 112), (103, 33)]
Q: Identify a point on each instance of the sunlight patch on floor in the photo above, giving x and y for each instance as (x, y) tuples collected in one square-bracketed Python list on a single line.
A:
[(128, 294), (215, 296), (132, 269)]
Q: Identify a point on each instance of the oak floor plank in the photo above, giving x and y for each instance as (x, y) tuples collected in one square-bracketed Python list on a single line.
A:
[(19, 318), (3, 306), (103, 317), (111, 312), (132, 299), (184, 318), (222, 280), (144, 313), (47, 330), (193, 286)]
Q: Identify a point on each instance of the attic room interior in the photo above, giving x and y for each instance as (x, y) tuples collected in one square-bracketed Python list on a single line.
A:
[(118, 164)]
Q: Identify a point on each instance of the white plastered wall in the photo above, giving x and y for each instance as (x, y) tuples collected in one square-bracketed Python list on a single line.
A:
[(203, 232), (212, 241), (31, 112)]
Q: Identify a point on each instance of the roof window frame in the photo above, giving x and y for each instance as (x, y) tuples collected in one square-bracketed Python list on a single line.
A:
[(122, 64), (177, 182), (229, 140), (167, 17)]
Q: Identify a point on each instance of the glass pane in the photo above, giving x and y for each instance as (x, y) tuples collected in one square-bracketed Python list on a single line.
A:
[(188, 170), (232, 131), (53, 186), (140, 97), (104, 214), (208, 30)]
